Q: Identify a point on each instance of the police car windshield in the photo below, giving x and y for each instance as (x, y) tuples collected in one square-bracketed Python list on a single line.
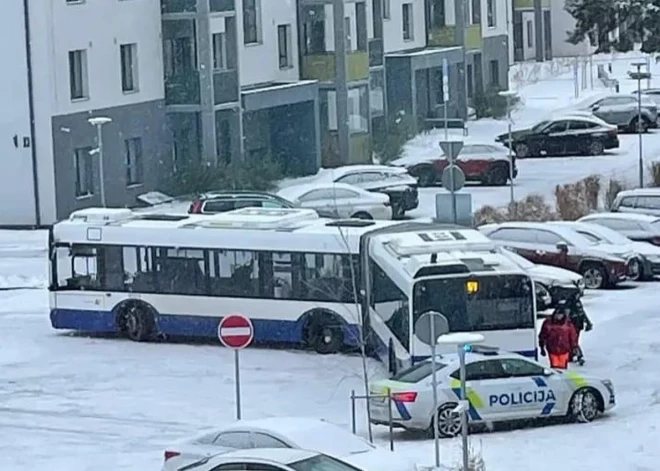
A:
[(478, 303), (416, 373)]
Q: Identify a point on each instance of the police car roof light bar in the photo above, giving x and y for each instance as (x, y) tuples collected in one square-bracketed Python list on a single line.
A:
[(482, 349)]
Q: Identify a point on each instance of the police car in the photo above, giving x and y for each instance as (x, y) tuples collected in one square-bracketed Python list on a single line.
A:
[(500, 387)]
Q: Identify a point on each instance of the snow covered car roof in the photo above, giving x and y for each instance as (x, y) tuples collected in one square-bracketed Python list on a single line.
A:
[(332, 174), (292, 193), (629, 216)]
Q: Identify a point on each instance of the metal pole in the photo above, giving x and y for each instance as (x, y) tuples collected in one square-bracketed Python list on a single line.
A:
[(99, 138), (591, 71), (434, 382), (445, 112), (639, 128), (454, 212), (648, 69), (237, 373), (464, 421), (390, 425), (341, 83), (353, 424), (512, 199)]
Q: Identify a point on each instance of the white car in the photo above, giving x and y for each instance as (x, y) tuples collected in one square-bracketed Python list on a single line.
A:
[(339, 200), (644, 265), (270, 459), (285, 432), (500, 387)]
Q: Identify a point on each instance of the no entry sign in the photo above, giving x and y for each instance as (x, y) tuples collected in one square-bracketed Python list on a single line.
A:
[(236, 331)]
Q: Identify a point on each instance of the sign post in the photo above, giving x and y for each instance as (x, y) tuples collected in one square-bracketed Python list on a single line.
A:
[(453, 178), (236, 331), (428, 327), (445, 93)]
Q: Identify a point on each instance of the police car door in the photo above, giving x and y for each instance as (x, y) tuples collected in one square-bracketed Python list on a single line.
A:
[(534, 393), (487, 390)]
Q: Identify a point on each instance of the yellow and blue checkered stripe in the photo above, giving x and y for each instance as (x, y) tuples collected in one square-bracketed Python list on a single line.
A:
[(475, 401), (548, 406)]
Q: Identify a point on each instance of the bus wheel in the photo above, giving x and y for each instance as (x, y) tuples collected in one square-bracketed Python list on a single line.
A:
[(136, 322), (324, 336)]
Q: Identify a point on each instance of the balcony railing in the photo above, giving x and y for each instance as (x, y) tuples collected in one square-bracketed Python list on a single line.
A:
[(375, 52), (178, 6), (222, 5), (225, 87), (446, 37), (321, 67), (182, 89)]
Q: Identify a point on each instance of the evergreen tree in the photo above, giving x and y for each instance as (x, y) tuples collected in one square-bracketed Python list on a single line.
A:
[(593, 19)]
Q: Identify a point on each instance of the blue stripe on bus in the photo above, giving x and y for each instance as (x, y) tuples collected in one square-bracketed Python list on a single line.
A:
[(265, 330)]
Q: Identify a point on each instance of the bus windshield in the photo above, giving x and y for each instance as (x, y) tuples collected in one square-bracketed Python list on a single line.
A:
[(478, 303)]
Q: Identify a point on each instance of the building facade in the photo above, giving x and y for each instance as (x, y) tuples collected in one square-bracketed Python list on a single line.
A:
[(562, 23), (533, 29)]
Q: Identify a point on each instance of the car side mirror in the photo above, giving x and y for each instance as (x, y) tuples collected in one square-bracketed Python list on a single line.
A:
[(548, 372), (595, 108), (562, 247)]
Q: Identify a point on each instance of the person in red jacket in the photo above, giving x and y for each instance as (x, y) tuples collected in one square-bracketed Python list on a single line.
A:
[(559, 338)]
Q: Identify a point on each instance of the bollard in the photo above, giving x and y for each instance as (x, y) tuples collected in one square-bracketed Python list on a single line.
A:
[(389, 421), (353, 418)]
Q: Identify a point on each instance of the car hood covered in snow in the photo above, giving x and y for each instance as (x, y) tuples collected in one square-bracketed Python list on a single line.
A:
[(554, 276)]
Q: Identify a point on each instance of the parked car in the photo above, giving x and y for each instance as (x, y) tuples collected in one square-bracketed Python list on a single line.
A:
[(223, 201), (396, 182), (483, 163), (641, 200), (638, 227), (643, 266), (563, 135), (538, 242), (339, 200), (267, 459), (553, 280), (286, 432), (652, 93), (621, 110)]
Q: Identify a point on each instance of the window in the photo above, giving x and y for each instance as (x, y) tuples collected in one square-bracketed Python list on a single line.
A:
[(628, 202), (261, 440), (314, 29), (470, 80), (78, 74), (134, 170), (387, 9), (376, 93), (327, 277), (407, 21), (233, 273), (491, 13), (284, 46), (494, 73), (616, 224), (180, 55), (84, 167), (358, 111), (579, 125), (476, 12), (251, 22), (513, 235), (238, 440), (557, 127), (591, 237), (341, 193), (517, 368), (648, 202), (437, 13), (361, 26), (316, 195), (322, 463), (219, 51), (129, 67), (262, 467), (547, 238), (391, 304), (480, 370), (349, 34), (530, 34), (416, 373)]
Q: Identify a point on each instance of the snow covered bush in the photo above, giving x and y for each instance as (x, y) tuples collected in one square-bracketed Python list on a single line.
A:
[(614, 186), (490, 104), (654, 171), (532, 208), (388, 146), (574, 200)]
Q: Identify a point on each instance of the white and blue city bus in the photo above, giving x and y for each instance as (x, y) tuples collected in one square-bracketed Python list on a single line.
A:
[(300, 278)]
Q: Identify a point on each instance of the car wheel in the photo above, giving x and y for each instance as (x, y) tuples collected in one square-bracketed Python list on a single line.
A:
[(426, 177), (595, 276), (596, 148), (585, 406), (362, 215), (521, 150), (497, 176), (448, 423), (635, 269), (633, 125)]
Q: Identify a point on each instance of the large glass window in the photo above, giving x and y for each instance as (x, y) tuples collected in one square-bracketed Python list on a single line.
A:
[(391, 304), (358, 109), (314, 29), (481, 303), (418, 372), (377, 93)]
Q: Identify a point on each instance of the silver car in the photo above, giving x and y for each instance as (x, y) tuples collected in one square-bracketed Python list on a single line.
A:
[(621, 110), (652, 93)]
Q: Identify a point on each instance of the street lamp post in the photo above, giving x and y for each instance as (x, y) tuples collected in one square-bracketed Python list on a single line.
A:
[(509, 94), (461, 340), (98, 122), (639, 76)]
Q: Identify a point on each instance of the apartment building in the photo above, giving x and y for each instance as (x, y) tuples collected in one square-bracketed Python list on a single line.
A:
[(70, 61), (561, 24), (533, 29)]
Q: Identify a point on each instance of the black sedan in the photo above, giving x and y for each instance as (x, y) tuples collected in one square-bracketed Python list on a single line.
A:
[(568, 135)]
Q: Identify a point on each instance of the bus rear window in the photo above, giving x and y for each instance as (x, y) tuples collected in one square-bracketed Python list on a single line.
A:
[(416, 373)]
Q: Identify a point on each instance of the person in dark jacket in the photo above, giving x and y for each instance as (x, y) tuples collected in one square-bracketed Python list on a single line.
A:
[(578, 316), (558, 338)]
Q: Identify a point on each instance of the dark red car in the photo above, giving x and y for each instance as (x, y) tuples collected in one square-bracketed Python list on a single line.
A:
[(483, 163)]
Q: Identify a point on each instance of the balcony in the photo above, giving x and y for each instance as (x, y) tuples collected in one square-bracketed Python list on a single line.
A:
[(375, 52), (225, 87), (446, 37), (529, 4), (221, 5), (178, 6), (182, 89), (321, 67)]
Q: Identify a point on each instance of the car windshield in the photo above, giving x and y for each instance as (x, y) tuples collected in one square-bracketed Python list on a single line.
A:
[(322, 463), (473, 303), (539, 126), (416, 373)]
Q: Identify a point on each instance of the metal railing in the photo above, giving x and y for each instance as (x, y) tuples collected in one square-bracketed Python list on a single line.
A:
[(368, 397)]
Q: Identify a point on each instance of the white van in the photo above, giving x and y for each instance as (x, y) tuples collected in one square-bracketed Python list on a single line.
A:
[(642, 200)]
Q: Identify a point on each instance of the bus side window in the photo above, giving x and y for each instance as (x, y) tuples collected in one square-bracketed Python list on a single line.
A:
[(83, 268), (391, 304), (64, 267)]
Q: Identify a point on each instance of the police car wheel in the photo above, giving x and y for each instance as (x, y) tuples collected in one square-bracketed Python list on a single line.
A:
[(584, 406), (448, 423)]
